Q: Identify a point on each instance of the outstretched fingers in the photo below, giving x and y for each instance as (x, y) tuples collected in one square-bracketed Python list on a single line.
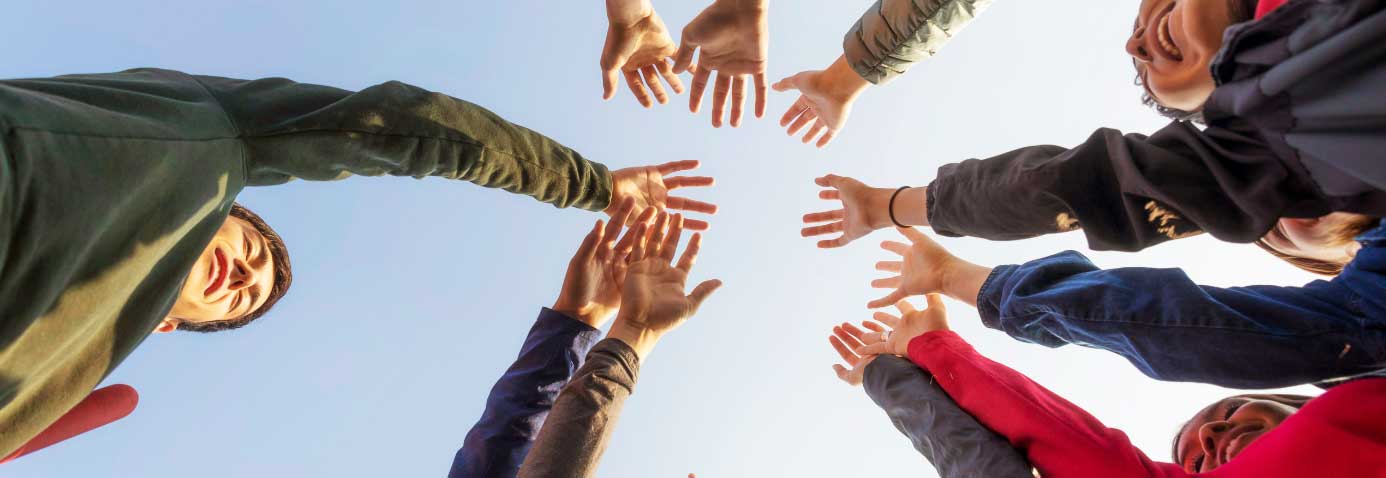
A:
[(891, 298), (842, 349), (896, 247), (588, 249), (676, 166), (821, 230), (671, 240), (761, 93), (637, 88), (887, 319), (685, 204), (695, 92), (690, 253), (688, 182), (877, 348), (738, 99), (651, 76)]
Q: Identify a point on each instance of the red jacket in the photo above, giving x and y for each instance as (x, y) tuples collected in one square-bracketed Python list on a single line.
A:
[(1340, 434), (1265, 6)]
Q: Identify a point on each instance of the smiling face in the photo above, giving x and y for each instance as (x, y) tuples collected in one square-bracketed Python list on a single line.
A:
[(1172, 44), (231, 279), (1220, 432), (1318, 238)]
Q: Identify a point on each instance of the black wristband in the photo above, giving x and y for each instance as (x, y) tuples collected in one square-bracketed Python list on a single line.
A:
[(891, 207)]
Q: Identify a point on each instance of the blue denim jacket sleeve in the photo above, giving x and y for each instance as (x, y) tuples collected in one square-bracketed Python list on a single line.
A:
[(957, 445), (1173, 329), (521, 399)]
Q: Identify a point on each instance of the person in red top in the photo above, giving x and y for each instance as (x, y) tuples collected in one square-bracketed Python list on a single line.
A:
[(1340, 434)]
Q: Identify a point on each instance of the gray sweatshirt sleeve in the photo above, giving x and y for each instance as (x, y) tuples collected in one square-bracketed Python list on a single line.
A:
[(947, 436), (894, 34), (571, 443)]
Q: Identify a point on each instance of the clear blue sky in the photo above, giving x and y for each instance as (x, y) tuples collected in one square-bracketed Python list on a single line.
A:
[(412, 296)]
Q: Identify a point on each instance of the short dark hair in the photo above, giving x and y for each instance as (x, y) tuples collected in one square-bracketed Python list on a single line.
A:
[(1240, 11), (1340, 235), (1290, 400), (283, 276)]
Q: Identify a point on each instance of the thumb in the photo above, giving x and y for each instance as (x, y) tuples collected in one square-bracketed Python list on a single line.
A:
[(935, 302), (789, 83), (611, 67), (701, 293), (683, 58)]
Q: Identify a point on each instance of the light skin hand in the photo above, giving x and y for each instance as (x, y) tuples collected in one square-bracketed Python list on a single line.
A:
[(909, 324), (591, 290), (732, 39), (639, 48), (653, 302), (864, 209), (649, 186), (926, 268), (825, 100), (845, 339)]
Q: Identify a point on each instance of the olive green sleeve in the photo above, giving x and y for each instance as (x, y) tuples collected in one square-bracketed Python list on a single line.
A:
[(894, 34), (298, 130)]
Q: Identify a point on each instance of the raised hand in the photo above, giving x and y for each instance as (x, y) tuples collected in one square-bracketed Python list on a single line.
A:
[(910, 324), (922, 269), (591, 290), (639, 48), (649, 186), (864, 209), (825, 100), (734, 38), (653, 301), (845, 339)]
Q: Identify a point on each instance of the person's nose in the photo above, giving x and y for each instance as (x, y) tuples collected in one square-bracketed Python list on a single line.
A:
[(1209, 436), (1135, 46), (240, 276)]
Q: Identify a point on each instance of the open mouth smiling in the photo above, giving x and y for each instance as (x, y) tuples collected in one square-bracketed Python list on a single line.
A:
[(1164, 39), (218, 271)]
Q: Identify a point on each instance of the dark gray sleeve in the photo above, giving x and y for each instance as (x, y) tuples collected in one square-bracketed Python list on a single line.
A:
[(894, 34), (571, 443), (947, 436)]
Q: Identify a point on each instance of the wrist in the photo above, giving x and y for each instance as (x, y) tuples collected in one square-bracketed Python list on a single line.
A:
[(590, 314), (962, 280), (878, 207), (841, 82), (627, 12), (639, 339)]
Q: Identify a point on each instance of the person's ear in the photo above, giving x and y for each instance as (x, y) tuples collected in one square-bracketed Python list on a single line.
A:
[(169, 324)]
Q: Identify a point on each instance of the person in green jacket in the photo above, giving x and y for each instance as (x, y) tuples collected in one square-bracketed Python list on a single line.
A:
[(112, 187)]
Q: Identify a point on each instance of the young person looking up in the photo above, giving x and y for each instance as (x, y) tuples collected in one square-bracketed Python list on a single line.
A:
[(1341, 433), (113, 185), (1293, 110), (653, 303), (1161, 321)]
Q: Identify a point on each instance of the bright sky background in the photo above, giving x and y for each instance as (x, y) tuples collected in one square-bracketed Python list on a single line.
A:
[(411, 296)]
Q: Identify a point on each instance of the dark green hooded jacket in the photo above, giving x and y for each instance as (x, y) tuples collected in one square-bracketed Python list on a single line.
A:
[(111, 185)]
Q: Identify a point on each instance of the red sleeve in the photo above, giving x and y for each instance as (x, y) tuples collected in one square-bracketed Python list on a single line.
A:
[(1060, 439), (101, 407)]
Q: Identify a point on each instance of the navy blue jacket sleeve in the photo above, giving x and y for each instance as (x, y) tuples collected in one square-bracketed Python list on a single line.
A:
[(947, 436), (521, 399), (1173, 329)]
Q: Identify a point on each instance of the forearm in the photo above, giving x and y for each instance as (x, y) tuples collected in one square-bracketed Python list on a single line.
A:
[(578, 429), (1174, 329), (296, 130), (956, 444), (520, 400)]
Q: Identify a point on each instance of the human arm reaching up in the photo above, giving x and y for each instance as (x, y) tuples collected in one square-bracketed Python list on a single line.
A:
[(653, 304)]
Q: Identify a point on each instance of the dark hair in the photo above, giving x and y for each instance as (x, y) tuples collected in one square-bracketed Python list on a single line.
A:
[(1296, 401), (1240, 11), (1340, 235), (283, 276)]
